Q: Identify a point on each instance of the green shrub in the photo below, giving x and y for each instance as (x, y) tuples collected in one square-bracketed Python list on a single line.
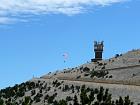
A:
[(86, 69), (68, 98), (75, 101), (1, 102)]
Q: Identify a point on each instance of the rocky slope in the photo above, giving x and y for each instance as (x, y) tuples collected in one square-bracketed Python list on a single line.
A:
[(120, 74)]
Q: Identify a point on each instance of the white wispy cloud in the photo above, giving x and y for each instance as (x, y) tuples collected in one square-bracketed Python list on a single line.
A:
[(15, 8), (6, 20)]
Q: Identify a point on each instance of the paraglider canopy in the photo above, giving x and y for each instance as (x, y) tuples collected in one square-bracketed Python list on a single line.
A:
[(65, 56)]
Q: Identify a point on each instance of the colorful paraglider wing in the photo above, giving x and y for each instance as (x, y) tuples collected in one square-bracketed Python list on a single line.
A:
[(65, 55)]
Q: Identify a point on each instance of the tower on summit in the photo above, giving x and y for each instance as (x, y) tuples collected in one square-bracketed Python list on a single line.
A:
[(98, 49)]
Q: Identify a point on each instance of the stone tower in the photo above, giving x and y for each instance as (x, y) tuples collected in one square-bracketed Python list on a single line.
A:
[(98, 49)]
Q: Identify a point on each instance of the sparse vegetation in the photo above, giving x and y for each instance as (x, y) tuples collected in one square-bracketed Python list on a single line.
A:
[(117, 55), (86, 74), (33, 92), (37, 97), (75, 101), (98, 74), (1, 102), (56, 83), (78, 77), (86, 69), (69, 98), (57, 92), (88, 96), (110, 76)]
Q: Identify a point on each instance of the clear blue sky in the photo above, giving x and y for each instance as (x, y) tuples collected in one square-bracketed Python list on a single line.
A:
[(34, 44)]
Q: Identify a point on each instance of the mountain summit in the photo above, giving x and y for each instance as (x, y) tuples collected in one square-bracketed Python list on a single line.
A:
[(115, 81)]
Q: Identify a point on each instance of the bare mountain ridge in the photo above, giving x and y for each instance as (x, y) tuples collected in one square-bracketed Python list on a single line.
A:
[(120, 74), (123, 68)]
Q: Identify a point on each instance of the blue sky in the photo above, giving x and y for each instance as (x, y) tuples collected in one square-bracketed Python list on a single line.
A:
[(35, 35)]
